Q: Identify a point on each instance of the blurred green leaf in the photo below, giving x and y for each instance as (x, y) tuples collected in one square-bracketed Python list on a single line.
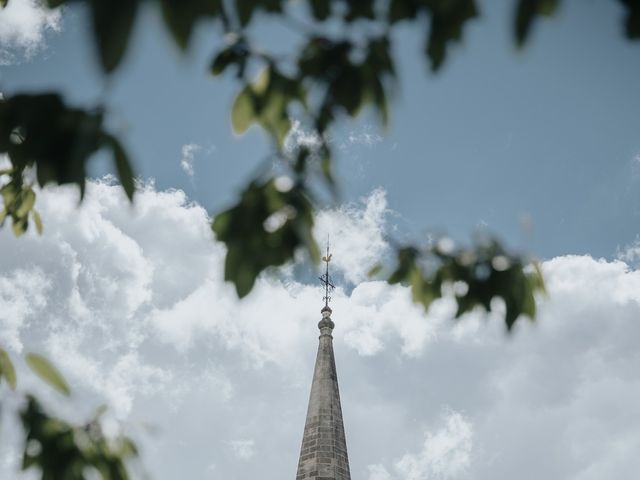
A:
[(45, 370), (37, 220), (112, 24), (181, 16), (632, 19), (19, 226), (483, 273), (123, 167), (402, 10), (362, 9), (236, 54), (375, 270), (63, 451), (266, 102), (244, 9), (264, 229), (526, 13), (448, 18), (320, 9), (242, 112), (7, 370), (27, 201), (57, 141)]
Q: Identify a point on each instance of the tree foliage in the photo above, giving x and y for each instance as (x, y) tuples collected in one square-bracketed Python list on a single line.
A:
[(39, 132), (327, 77), (60, 450)]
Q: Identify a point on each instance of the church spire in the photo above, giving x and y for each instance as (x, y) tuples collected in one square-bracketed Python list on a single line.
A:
[(324, 447)]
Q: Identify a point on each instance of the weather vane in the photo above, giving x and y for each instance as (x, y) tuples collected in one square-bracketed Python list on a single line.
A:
[(326, 279)]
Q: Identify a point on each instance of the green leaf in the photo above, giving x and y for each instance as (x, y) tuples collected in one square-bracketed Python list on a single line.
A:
[(58, 140), (37, 220), (375, 270), (46, 371), (112, 24), (3, 3), (240, 272), (446, 27), (27, 201), (6, 369), (19, 226), (181, 16), (253, 244), (123, 166), (632, 20), (526, 14), (536, 278), (401, 10), (321, 9), (242, 112), (244, 9), (225, 58)]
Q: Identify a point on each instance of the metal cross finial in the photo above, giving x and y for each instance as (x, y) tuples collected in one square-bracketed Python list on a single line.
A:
[(326, 279)]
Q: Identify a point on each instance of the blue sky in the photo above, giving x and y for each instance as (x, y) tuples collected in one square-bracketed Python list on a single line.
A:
[(131, 304), (548, 133)]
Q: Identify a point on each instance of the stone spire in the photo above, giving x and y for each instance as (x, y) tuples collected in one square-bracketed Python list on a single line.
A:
[(323, 455)]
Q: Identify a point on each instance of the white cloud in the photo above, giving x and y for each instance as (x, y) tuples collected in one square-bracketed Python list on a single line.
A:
[(188, 153), (445, 454), (378, 472), (379, 313), (630, 254), (357, 233), (23, 293), (298, 137), (363, 137), (242, 449), (130, 302), (23, 26)]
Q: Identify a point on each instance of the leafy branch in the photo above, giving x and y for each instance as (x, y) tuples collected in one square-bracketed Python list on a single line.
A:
[(333, 74), (58, 449)]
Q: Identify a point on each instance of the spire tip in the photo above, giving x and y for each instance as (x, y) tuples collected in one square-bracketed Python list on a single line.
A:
[(326, 281)]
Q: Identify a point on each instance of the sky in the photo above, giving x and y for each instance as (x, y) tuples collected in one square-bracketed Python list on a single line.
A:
[(539, 146)]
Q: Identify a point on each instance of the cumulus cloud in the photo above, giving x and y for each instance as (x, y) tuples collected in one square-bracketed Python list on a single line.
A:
[(445, 454), (22, 295), (130, 302), (378, 472), (23, 26), (630, 254), (358, 235)]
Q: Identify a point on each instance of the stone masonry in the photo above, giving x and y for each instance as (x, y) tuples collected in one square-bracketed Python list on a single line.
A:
[(323, 455)]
